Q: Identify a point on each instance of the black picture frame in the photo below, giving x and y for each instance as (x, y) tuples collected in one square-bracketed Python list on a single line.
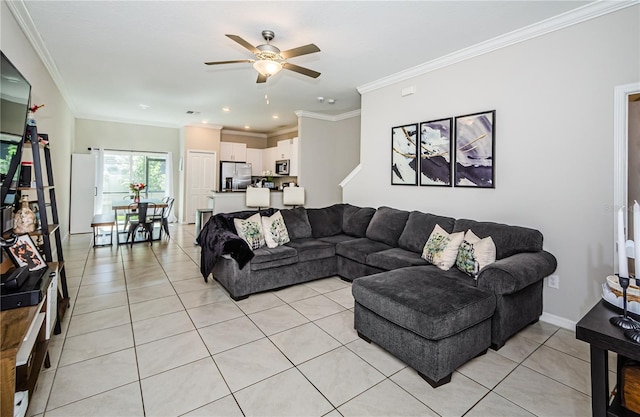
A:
[(23, 252), (404, 148), (436, 144), (475, 150)]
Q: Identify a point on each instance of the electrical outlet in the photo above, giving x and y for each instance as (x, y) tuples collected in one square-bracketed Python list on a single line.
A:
[(554, 281)]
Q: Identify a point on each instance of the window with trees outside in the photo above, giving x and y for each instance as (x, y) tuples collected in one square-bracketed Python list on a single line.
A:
[(120, 169)]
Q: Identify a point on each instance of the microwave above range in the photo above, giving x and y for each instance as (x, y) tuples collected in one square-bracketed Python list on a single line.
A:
[(282, 167)]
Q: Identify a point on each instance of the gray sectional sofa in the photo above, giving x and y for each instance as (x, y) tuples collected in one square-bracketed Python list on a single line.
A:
[(434, 320)]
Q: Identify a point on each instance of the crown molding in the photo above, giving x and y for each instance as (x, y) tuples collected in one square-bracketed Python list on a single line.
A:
[(328, 117), (244, 133), (283, 131), (23, 18), (570, 18), (85, 116)]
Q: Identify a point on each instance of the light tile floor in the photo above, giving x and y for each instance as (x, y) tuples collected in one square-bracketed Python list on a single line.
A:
[(146, 336)]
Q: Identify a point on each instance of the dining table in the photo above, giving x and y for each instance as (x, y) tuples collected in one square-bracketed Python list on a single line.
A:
[(127, 205)]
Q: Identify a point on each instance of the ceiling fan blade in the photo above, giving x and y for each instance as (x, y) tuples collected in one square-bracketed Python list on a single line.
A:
[(261, 78), (236, 61), (244, 43), (302, 70), (301, 50)]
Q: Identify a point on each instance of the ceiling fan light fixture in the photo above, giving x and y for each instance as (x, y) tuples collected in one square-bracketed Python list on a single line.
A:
[(267, 67)]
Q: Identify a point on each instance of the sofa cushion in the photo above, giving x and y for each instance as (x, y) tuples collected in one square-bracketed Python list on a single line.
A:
[(358, 249), (274, 230), (297, 223), (326, 221), (310, 249), (394, 258), (250, 230), (386, 225), (355, 220), (419, 300), (266, 257), (419, 227), (509, 240), (441, 249), (337, 238)]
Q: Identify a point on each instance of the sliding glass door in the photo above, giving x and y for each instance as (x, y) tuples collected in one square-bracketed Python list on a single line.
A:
[(122, 168)]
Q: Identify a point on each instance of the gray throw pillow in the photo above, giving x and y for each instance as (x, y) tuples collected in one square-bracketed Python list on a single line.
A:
[(326, 221), (355, 220), (386, 225)]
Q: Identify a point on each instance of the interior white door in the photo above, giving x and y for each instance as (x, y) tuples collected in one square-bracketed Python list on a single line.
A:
[(83, 191), (201, 181)]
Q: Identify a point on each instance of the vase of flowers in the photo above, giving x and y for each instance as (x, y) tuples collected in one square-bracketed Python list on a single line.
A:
[(135, 188)]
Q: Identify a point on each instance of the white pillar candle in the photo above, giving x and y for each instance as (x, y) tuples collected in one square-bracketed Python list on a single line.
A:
[(636, 238), (623, 269)]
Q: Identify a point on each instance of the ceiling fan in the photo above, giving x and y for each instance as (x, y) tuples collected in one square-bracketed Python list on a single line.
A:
[(270, 60)]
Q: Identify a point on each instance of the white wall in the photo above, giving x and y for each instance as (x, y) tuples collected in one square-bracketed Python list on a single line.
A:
[(56, 118), (554, 144), (329, 151)]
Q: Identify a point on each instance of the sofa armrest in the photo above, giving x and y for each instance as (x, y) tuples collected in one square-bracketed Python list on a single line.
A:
[(513, 273)]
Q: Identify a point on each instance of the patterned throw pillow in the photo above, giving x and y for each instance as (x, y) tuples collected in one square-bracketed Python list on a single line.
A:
[(475, 253), (250, 230), (275, 231), (441, 248)]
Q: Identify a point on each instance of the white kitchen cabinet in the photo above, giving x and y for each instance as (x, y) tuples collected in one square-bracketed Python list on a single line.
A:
[(269, 159), (294, 158), (231, 151), (254, 157), (283, 149)]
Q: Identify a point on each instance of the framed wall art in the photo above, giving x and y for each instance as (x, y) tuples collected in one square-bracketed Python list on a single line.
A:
[(475, 146), (404, 147), (435, 152), (24, 252)]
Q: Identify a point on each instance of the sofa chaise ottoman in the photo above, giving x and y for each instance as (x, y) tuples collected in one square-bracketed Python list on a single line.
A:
[(423, 320)]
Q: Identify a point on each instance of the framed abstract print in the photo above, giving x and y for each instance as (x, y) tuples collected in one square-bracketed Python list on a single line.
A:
[(475, 146), (404, 147), (435, 152)]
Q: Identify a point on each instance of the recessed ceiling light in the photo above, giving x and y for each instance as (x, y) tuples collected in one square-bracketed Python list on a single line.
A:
[(275, 116), (226, 108), (320, 99), (205, 122), (143, 106), (247, 127), (331, 101)]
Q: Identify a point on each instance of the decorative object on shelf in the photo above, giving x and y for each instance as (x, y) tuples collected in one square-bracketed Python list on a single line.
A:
[(624, 321), (404, 148), (30, 120), (435, 152), (135, 189), (475, 143), (24, 252), (24, 220)]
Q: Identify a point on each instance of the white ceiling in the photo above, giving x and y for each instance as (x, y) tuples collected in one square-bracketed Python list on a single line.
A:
[(113, 56)]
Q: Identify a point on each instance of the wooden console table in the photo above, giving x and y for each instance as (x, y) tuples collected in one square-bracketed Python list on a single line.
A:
[(15, 325), (602, 336)]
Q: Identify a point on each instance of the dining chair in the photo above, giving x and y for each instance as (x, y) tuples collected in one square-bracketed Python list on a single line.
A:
[(163, 219), (139, 219)]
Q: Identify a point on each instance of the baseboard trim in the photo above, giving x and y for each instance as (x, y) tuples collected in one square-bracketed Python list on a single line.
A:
[(558, 321)]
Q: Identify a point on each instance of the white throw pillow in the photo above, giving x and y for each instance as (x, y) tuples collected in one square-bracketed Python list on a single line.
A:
[(475, 253), (275, 231), (441, 248), (250, 230)]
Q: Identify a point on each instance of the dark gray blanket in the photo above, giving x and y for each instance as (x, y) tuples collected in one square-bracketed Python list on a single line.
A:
[(219, 237)]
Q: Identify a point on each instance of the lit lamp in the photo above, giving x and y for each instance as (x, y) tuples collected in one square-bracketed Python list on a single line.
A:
[(293, 196), (257, 197), (267, 67)]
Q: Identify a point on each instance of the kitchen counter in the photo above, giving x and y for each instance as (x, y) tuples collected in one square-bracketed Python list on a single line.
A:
[(230, 201)]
